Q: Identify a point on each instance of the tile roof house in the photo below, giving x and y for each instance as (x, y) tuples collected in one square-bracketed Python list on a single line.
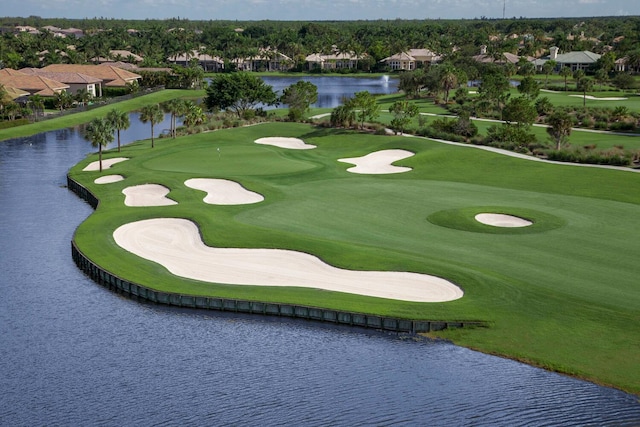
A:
[(76, 81), (110, 75), (411, 59), (35, 85)]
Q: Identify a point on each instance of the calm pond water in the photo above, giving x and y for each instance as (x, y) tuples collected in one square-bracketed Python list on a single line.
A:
[(73, 353)]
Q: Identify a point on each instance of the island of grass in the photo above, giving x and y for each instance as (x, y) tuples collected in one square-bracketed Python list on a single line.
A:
[(561, 293)]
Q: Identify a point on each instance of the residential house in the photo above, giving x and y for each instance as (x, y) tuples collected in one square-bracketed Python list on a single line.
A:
[(411, 59), (111, 76), (502, 58), (334, 61), (267, 59), (35, 85), (75, 81), (207, 62), (120, 55), (579, 60)]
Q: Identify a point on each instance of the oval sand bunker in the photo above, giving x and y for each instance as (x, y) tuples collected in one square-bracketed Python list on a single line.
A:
[(502, 220), (108, 179), (176, 244), (290, 143)]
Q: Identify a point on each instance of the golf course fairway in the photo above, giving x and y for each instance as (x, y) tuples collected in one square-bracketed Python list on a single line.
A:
[(561, 292)]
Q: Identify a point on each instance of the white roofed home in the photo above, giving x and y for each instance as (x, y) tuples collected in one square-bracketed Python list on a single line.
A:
[(411, 59), (580, 60), (334, 61)]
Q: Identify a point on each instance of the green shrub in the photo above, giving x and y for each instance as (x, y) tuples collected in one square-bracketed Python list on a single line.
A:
[(13, 123)]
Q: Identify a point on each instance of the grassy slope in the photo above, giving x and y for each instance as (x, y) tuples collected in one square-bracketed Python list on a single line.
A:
[(564, 296), (86, 116)]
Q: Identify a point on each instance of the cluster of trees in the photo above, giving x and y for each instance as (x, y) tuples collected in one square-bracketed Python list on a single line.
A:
[(156, 40), (101, 131)]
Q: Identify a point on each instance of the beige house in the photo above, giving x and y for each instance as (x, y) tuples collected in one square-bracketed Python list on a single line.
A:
[(207, 62), (75, 81), (111, 76), (267, 59), (333, 61), (411, 59)]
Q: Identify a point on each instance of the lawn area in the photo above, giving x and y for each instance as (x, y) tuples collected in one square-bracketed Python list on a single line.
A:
[(561, 294)]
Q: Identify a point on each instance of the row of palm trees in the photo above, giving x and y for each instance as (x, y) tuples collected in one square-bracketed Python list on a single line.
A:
[(100, 131)]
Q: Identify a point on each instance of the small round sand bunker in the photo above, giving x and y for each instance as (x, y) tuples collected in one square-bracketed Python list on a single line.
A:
[(502, 220), (291, 143)]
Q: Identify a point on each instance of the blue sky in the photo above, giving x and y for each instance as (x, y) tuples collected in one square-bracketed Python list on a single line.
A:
[(305, 10)]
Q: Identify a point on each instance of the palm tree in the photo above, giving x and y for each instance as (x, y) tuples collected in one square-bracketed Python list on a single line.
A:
[(83, 96), (176, 107), (100, 133), (119, 120), (547, 68), (194, 114), (559, 127), (151, 113), (37, 103), (566, 73)]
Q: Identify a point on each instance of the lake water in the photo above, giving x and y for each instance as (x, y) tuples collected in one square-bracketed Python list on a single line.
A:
[(73, 353)]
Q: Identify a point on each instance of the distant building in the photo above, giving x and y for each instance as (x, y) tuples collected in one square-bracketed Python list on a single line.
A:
[(411, 59), (207, 62), (579, 60)]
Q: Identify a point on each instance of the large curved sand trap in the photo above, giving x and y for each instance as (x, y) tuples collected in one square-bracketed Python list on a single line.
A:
[(176, 244), (108, 179), (223, 191), (378, 162), (291, 143), (147, 195), (613, 98), (106, 164), (502, 220)]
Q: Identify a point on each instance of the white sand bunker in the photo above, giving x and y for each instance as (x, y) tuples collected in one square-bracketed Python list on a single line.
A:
[(378, 162), (147, 195), (106, 164), (502, 220), (292, 143), (108, 179), (599, 99), (223, 192), (176, 244)]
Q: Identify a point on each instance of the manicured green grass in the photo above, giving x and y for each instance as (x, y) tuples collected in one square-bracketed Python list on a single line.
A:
[(563, 294), (86, 116)]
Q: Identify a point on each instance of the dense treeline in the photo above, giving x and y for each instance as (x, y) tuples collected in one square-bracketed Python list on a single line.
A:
[(157, 40)]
